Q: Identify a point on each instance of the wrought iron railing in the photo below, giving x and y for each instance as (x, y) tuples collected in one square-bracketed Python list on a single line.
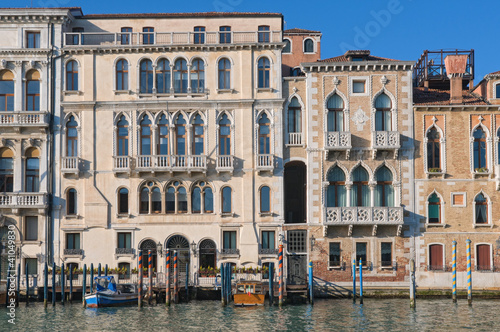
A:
[(73, 252), (268, 251), (124, 251), (230, 251)]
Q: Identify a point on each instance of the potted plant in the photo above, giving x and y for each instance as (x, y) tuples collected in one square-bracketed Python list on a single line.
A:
[(481, 170), (434, 170)]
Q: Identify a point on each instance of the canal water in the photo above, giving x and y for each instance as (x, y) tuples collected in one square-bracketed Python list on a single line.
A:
[(324, 315)]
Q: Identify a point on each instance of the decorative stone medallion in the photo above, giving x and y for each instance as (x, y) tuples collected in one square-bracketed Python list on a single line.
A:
[(360, 118)]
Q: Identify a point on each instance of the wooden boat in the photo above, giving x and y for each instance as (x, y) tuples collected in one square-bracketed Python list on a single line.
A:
[(110, 294), (249, 293)]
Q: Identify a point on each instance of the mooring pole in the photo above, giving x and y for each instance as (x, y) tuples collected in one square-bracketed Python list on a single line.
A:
[(222, 283), (8, 287), (99, 270), (106, 270), (18, 298), (360, 281), (176, 279), (271, 282), (139, 300), (167, 279), (280, 266), (84, 284), (187, 282), (54, 284), (354, 280), (469, 276), (62, 284), (91, 277), (311, 283), (412, 283), (454, 271), (229, 286), (150, 275), (70, 285), (27, 285), (45, 284)]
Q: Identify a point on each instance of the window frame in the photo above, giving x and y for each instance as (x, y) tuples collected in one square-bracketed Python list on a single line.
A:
[(225, 34), (144, 74), (72, 76), (264, 73), (230, 244), (71, 202), (262, 211), (26, 218), (181, 69), (120, 208), (197, 68), (126, 35), (224, 198), (266, 233), (148, 35), (163, 74), (480, 141), (224, 149), (7, 174), (440, 209), (284, 47), (36, 41), (118, 235), (122, 85), (264, 34), (266, 137), (441, 267), (199, 35), (305, 46), (31, 176), (364, 263), (487, 205), (75, 235), (333, 264), (32, 96), (225, 72), (385, 263), (122, 141), (9, 95)]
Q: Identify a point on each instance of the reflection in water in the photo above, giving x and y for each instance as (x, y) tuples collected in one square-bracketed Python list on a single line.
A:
[(324, 315)]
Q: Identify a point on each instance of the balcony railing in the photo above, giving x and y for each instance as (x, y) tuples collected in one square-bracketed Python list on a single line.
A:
[(295, 139), (268, 251), (76, 252), (124, 251), (169, 38), (121, 164), (70, 165), (179, 163), (338, 140), (23, 200), (189, 163), (364, 216), (386, 140), (230, 251), (24, 119), (225, 164), (265, 162)]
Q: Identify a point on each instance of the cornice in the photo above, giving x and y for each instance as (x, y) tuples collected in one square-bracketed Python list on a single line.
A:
[(33, 18), (356, 66), (25, 51), (456, 108)]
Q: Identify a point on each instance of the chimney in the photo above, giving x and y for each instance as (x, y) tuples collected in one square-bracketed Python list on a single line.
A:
[(456, 66)]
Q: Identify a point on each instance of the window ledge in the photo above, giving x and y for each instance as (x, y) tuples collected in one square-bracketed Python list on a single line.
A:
[(122, 92), (225, 90), (339, 268), (386, 268), (123, 215), (32, 242), (72, 216), (481, 174), (443, 225), (72, 92), (265, 90), (266, 214), (309, 52), (227, 214), (483, 225), (145, 95), (436, 174)]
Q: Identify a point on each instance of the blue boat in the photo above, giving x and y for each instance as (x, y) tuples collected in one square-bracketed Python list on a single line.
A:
[(109, 294)]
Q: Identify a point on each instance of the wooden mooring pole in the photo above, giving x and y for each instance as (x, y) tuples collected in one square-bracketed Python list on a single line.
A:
[(45, 284), (106, 270), (84, 284), (70, 284), (54, 284), (27, 284), (187, 282), (91, 277), (454, 271), (99, 270), (18, 298), (412, 283), (271, 283), (223, 283), (167, 278), (62, 284)]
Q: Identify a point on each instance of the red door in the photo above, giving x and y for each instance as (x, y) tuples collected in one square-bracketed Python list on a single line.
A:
[(436, 257), (483, 257)]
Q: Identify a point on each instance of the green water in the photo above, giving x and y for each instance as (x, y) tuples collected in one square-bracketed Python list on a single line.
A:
[(324, 315)]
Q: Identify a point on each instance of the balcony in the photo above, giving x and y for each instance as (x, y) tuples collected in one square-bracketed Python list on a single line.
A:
[(22, 200), (268, 252), (124, 251), (70, 165), (225, 164), (25, 119), (294, 139), (169, 38), (338, 141), (265, 162), (121, 164), (364, 216), (73, 252), (386, 140), (230, 252), (173, 163)]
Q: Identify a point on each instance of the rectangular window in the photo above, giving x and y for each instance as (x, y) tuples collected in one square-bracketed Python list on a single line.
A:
[(268, 240), (264, 34), (31, 228), (297, 241), (125, 240), (148, 36), (436, 257), (497, 91), (76, 36), (32, 264), (358, 86), (334, 254), (126, 36), (225, 35), (33, 39), (73, 241), (199, 35), (229, 241), (361, 253), (386, 254)]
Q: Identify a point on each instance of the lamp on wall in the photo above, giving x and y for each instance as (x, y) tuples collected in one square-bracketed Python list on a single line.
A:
[(159, 249), (313, 241), (193, 247)]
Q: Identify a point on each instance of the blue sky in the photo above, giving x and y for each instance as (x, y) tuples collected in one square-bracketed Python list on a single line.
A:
[(398, 29)]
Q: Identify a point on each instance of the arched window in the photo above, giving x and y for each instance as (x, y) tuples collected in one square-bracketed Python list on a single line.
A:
[(224, 136), (72, 76), (156, 200), (295, 72), (360, 193), (202, 192), (32, 170), (208, 252), (147, 246), (481, 209), (288, 46), (265, 199), (163, 131), (180, 76), (196, 200), (144, 204), (383, 115), (163, 76), (264, 135), (384, 192), (433, 150), (180, 136), (434, 209), (71, 202), (182, 202), (150, 198), (335, 107), (176, 198), (122, 75), (6, 91), (264, 68), (294, 116), (224, 74), (479, 149), (226, 200), (6, 170), (209, 200), (170, 200), (122, 136), (72, 137), (32, 91), (198, 135), (198, 76), (145, 136), (308, 46), (146, 76), (123, 201), (336, 195)]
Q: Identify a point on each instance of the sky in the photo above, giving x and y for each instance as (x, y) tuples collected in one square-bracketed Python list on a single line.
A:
[(397, 29)]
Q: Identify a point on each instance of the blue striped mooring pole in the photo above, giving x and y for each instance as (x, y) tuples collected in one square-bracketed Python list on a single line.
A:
[(360, 281), (354, 280), (311, 283), (469, 277), (454, 271)]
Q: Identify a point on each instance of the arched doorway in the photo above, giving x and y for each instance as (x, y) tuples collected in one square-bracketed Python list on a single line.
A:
[(146, 246), (208, 254), (295, 192), (180, 244)]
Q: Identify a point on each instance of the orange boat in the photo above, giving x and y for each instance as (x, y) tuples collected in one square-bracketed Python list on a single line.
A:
[(249, 293)]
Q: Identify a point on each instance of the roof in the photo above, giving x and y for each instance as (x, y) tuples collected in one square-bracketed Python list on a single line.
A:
[(181, 15), (494, 74), (301, 31), (423, 96), (349, 54)]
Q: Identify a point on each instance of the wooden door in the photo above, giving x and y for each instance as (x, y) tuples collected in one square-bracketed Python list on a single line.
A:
[(436, 257), (483, 257)]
